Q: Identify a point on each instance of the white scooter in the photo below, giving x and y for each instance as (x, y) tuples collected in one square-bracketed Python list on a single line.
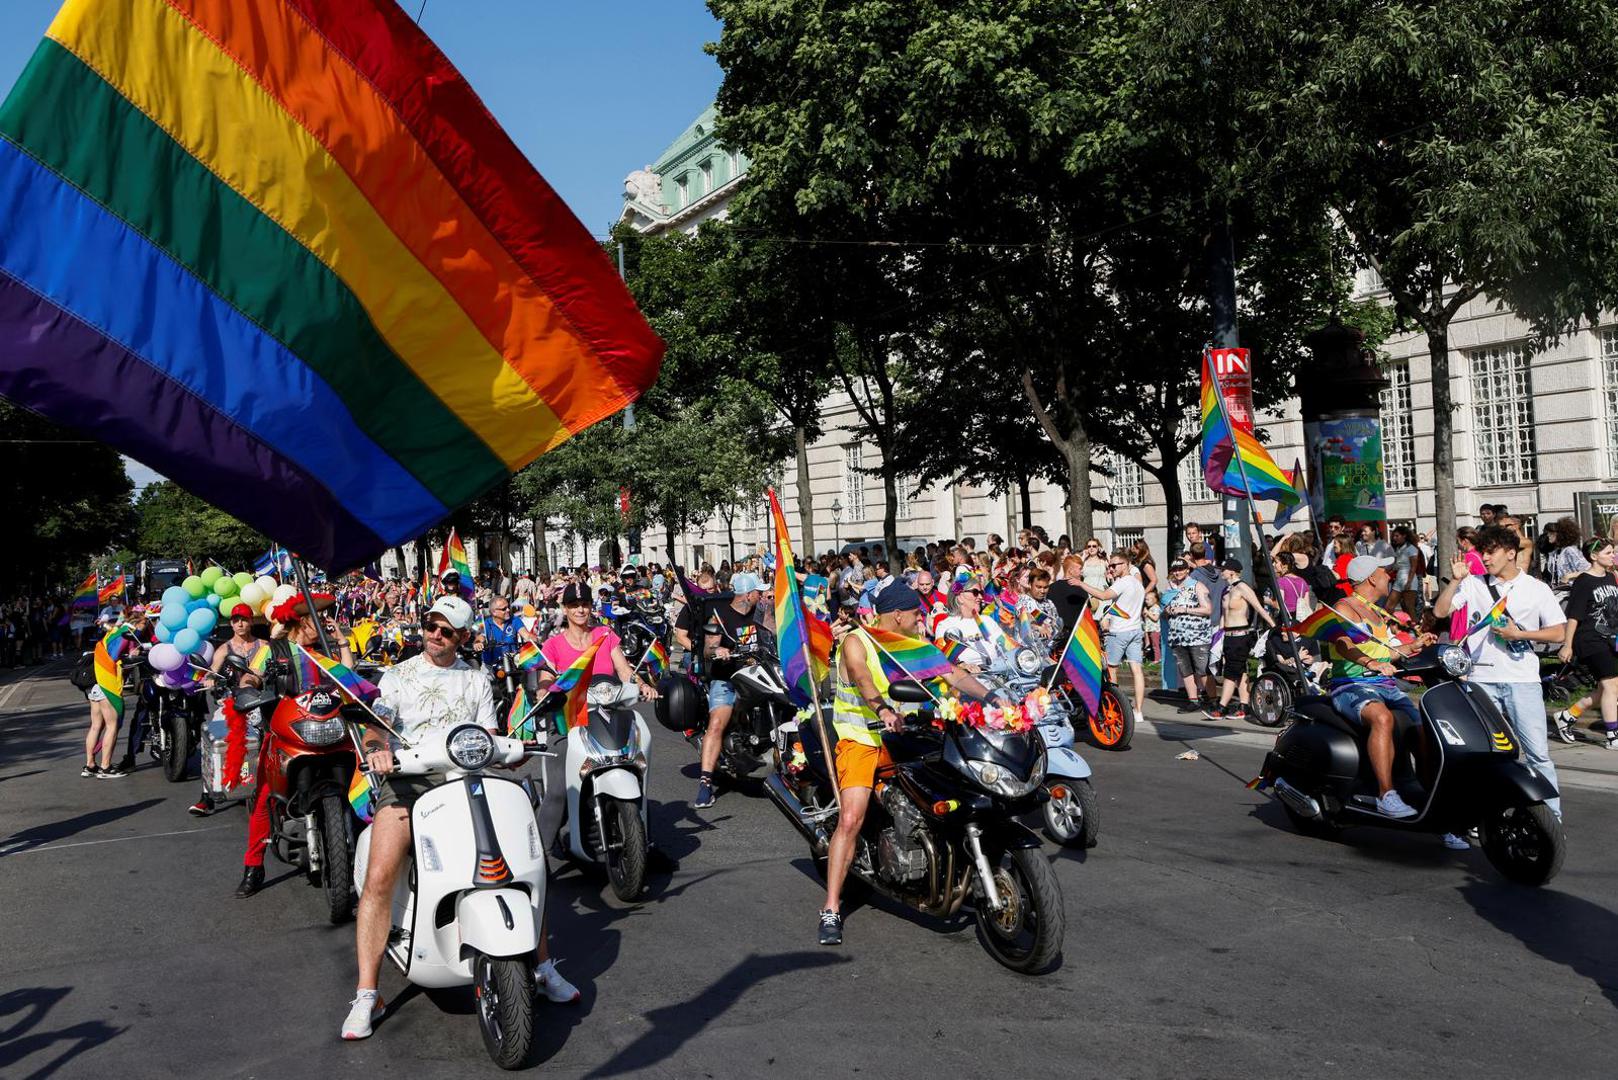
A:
[(605, 771), (469, 908)]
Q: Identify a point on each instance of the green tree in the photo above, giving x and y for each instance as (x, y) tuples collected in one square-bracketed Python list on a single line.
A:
[(173, 523)]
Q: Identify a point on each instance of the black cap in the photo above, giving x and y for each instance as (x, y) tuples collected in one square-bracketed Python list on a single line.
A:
[(576, 593), (896, 597), (1231, 564)]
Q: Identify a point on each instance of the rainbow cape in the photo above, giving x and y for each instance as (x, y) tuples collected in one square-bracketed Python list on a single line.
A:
[(231, 225), (85, 596), (359, 795), (108, 663), (1225, 443), (906, 657), (792, 621), (1081, 660), (454, 558)]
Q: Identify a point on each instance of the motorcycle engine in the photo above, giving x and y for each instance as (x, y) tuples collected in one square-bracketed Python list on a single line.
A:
[(900, 855)]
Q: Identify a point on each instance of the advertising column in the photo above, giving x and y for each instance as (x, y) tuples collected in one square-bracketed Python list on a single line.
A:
[(1340, 393)]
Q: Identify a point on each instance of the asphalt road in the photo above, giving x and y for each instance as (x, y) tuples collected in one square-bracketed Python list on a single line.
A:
[(1205, 938)]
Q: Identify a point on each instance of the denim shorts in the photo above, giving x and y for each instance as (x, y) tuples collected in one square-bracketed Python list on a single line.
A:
[(720, 694), (1125, 646), (1350, 699)]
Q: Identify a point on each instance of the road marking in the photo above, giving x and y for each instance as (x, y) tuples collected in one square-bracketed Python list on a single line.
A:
[(7, 694), (113, 840)]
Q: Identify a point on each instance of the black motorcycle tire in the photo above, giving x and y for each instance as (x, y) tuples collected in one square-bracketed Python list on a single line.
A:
[(1081, 802), (505, 996), (177, 747), (1272, 700), (337, 859), (1037, 910), (625, 850), (1525, 843)]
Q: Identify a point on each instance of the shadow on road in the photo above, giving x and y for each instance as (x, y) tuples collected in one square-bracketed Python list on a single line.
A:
[(40, 835), (22, 1012), (20, 775), (674, 1025), (1564, 929)]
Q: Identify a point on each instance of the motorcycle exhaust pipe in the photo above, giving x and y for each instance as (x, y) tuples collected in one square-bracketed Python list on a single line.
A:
[(1304, 805), (794, 810)]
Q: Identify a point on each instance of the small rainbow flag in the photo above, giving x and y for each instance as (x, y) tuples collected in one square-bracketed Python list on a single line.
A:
[(454, 558), (820, 645), (1494, 617), (1113, 611), (1081, 660), (1258, 783), (84, 597), (526, 656), (1327, 625), (113, 589), (576, 709), (954, 650), (656, 659), (359, 795), (362, 690), (574, 674), (517, 715), (906, 657), (1225, 443)]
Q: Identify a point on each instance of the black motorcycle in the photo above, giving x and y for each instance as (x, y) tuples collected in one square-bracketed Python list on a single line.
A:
[(761, 709), (1467, 772), (943, 828), (173, 722)]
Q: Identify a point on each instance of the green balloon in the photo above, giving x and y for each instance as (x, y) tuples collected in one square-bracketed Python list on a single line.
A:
[(241, 577), (225, 588), (211, 575), (194, 587)]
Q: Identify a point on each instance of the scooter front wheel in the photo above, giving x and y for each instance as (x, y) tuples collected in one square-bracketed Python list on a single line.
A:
[(1112, 726), (625, 849), (505, 996), (1525, 843)]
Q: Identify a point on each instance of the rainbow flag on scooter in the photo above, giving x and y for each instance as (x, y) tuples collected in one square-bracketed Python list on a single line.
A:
[(360, 795)]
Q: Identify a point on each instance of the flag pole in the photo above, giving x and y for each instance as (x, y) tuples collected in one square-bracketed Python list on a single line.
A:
[(1282, 625)]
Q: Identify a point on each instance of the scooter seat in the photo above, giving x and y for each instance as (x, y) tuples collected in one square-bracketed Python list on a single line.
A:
[(1319, 710)]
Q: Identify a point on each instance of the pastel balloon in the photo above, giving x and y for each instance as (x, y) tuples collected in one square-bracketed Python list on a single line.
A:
[(267, 585), (225, 587), (172, 616), (206, 652), (242, 577), (193, 586), (186, 640), (253, 596), (174, 596), (165, 657), (162, 632), (213, 599), (211, 575), (202, 621)]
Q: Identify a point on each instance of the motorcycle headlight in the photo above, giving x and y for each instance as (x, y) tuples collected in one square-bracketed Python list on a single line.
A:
[(1455, 660), (319, 732), (1002, 781), (470, 748), (1026, 661)]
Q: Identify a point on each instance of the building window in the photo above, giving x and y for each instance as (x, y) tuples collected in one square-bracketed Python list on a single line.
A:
[(1126, 487), (1502, 415), (682, 190), (735, 164), (1124, 539), (905, 496), (706, 169), (1193, 486), (1609, 394), (853, 483), (1398, 431)]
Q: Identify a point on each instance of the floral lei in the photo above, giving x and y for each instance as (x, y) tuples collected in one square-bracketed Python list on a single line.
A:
[(1016, 718)]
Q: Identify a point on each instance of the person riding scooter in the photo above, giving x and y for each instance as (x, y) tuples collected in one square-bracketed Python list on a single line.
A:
[(735, 625), (1363, 689)]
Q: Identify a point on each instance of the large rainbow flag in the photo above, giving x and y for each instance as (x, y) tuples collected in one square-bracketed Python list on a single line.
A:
[(1081, 660), (281, 246), (906, 657), (1225, 443), (454, 558), (793, 635), (84, 597), (112, 590)]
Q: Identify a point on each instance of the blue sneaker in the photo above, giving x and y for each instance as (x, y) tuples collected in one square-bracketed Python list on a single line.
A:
[(704, 795)]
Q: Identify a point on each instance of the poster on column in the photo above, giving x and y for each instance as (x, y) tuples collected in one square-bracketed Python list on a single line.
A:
[(1345, 466)]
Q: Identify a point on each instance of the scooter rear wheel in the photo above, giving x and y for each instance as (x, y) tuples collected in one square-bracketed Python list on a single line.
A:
[(505, 996), (1525, 843)]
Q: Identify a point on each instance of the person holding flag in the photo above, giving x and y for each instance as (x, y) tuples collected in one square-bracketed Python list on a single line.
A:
[(1125, 599), (1505, 611), (860, 712)]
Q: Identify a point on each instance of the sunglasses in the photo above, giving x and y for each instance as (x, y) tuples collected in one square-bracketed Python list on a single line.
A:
[(441, 629)]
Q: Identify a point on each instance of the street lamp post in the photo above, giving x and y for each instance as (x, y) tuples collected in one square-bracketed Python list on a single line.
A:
[(837, 523)]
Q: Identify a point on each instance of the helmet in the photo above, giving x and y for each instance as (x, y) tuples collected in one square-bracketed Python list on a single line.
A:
[(681, 707)]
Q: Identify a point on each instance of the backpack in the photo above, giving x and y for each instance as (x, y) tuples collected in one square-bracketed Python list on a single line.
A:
[(83, 674)]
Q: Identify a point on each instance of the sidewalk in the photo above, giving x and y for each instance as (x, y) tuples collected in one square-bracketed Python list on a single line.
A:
[(1588, 755)]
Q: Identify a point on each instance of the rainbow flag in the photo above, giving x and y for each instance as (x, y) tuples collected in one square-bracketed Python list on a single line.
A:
[(656, 659), (454, 558), (574, 674), (1223, 443), (359, 795), (526, 656), (85, 597), (1325, 624), (228, 225), (306, 672), (1081, 660), (517, 715), (905, 657), (1494, 617), (820, 646), (791, 619), (424, 596), (113, 589), (362, 690), (109, 668), (576, 708), (953, 650)]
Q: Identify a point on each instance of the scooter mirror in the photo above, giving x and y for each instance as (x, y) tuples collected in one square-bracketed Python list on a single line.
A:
[(909, 692)]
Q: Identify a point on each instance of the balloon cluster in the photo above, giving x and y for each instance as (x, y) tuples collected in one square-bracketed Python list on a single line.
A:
[(190, 611)]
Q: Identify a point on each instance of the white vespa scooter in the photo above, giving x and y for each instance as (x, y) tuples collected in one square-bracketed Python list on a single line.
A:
[(605, 770), (468, 909)]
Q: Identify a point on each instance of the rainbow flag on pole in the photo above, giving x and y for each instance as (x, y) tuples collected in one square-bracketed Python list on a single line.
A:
[(905, 657), (112, 590), (526, 656), (1224, 442), (359, 795), (85, 596), (576, 708), (792, 631), (454, 558), (362, 690), (1325, 625), (517, 715), (1081, 660), (1494, 617), (656, 659), (230, 225), (576, 672)]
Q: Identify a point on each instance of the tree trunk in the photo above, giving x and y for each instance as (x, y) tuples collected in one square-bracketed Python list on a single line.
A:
[(542, 555), (890, 511), (730, 539), (1173, 511), (1443, 445), (806, 499), (403, 567), (1080, 514), (1023, 487)]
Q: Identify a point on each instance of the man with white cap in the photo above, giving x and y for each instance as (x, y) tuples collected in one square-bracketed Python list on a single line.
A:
[(1363, 688), (735, 627)]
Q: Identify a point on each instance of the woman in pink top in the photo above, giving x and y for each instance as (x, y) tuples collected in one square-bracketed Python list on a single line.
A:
[(577, 635)]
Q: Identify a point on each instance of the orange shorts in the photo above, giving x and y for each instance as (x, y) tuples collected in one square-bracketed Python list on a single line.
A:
[(857, 764)]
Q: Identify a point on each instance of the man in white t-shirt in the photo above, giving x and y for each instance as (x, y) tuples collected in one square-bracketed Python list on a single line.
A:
[(1126, 598), (1506, 666)]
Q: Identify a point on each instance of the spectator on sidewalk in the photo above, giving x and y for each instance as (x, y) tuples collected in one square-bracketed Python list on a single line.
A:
[(1407, 573), (1188, 607), (1565, 562), (1124, 598)]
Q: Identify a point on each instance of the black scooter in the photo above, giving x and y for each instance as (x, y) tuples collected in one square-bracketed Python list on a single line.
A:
[(1471, 773)]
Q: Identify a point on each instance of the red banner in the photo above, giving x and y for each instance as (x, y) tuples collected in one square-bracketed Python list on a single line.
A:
[(1235, 370)]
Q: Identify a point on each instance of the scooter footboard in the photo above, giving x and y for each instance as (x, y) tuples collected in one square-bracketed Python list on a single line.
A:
[(497, 922)]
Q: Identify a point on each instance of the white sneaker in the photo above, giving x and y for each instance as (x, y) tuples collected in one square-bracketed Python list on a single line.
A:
[(1612, 741), (553, 986), (1391, 805), (1455, 843), (364, 1010)]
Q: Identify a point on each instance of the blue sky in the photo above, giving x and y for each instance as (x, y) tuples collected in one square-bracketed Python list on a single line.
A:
[(589, 89)]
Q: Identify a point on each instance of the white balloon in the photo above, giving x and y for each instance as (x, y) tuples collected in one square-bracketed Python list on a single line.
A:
[(266, 585), (253, 596)]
